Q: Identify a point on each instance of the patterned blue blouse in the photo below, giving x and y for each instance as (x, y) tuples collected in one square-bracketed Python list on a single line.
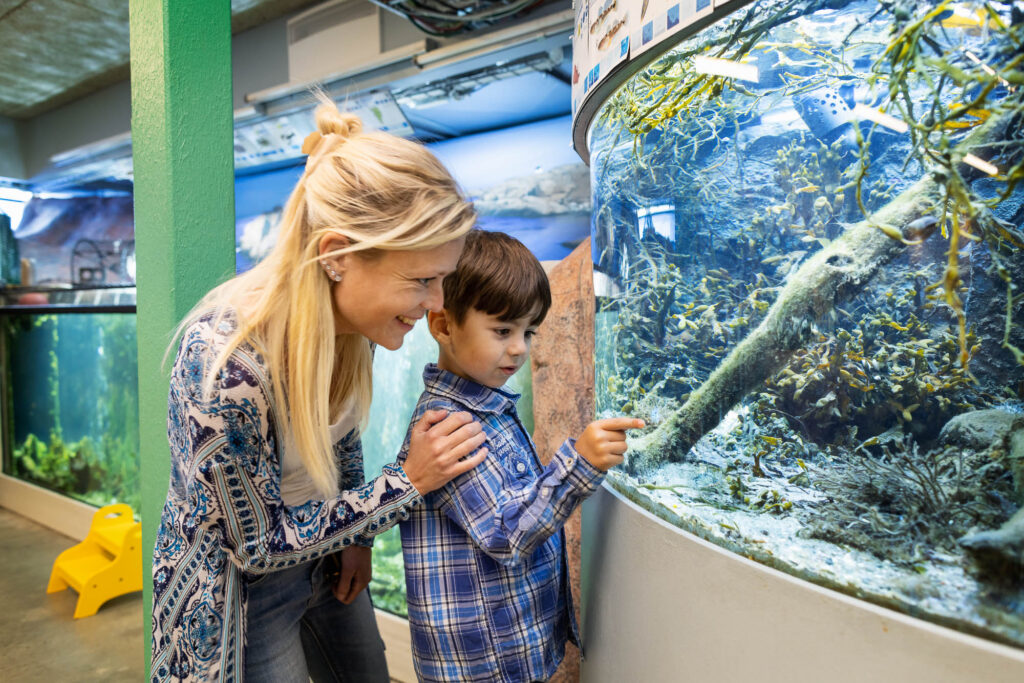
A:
[(224, 520), (485, 561)]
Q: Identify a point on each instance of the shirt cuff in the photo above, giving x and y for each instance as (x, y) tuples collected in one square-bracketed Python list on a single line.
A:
[(579, 473)]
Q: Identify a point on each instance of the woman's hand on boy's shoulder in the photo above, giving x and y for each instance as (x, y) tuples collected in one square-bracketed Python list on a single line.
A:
[(441, 448), (603, 442)]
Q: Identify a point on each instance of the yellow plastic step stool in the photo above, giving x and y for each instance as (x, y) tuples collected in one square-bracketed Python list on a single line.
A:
[(106, 564)]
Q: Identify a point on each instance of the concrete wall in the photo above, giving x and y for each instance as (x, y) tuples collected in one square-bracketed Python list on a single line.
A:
[(259, 59), (12, 164), (97, 116)]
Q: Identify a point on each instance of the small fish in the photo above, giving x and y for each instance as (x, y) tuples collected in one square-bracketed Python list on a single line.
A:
[(808, 188), (964, 21), (921, 228), (601, 17), (895, 233)]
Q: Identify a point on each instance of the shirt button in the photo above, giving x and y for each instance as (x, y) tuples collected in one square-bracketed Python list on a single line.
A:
[(520, 468)]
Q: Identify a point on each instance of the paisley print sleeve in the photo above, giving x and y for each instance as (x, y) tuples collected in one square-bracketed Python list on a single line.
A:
[(349, 453), (227, 456), (351, 475)]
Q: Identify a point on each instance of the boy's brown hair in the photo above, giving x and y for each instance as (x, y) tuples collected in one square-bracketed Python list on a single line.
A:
[(499, 276)]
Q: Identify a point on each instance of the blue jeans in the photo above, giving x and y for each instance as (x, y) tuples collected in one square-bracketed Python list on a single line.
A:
[(296, 630)]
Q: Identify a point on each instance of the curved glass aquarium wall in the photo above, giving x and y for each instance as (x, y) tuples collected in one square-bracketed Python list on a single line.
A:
[(72, 414), (809, 253)]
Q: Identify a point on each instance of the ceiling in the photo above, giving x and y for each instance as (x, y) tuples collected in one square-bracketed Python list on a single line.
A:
[(85, 48), (56, 51)]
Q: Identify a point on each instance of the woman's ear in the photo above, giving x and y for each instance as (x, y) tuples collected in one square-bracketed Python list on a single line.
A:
[(439, 326), (332, 242)]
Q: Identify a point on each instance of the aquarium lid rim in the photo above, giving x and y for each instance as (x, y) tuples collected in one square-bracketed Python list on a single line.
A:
[(624, 70)]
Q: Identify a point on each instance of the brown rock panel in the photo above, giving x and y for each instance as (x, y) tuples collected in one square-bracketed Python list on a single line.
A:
[(563, 391)]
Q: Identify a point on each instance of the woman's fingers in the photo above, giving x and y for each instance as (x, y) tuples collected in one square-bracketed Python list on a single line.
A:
[(457, 449), (437, 444), (469, 463), (449, 425), (429, 419), (344, 587), (359, 582)]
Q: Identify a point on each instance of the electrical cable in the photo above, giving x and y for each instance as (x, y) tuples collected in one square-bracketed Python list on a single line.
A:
[(431, 19)]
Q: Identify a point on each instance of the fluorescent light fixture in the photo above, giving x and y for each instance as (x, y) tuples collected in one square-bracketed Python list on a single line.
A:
[(14, 194), (881, 118), (981, 164), (713, 66)]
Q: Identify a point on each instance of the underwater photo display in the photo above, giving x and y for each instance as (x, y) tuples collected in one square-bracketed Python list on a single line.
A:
[(808, 243)]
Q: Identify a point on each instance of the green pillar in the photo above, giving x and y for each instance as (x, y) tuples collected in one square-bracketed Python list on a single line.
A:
[(184, 203)]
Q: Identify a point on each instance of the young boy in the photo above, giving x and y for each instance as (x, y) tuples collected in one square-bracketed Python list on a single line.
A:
[(485, 561)]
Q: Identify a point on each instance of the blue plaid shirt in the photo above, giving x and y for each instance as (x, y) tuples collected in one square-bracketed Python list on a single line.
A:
[(485, 562)]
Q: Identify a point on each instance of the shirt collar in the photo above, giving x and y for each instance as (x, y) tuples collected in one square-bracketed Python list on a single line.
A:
[(476, 397)]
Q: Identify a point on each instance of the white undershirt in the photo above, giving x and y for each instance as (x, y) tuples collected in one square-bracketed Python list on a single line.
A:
[(296, 484)]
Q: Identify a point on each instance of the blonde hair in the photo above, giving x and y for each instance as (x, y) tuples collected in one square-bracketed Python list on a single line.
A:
[(379, 191)]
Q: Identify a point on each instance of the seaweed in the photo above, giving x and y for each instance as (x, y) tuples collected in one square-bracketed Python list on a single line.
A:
[(906, 505), (679, 119)]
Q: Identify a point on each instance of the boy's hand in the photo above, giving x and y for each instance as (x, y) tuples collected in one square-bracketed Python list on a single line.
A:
[(603, 442), (437, 446)]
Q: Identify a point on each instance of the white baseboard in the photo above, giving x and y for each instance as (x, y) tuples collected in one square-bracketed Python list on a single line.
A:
[(398, 643), (64, 515)]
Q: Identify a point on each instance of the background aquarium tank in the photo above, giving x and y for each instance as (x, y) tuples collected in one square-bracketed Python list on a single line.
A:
[(72, 404), (808, 262)]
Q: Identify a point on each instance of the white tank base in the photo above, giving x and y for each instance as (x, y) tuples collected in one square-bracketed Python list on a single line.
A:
[(663, 606)]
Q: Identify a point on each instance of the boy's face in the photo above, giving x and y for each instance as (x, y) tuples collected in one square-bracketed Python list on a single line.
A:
[(483, 348)]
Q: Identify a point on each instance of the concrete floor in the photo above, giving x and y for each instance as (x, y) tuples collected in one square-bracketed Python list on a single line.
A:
[(39, 641)]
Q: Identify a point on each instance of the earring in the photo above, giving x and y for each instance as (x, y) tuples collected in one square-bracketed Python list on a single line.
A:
[(331, 272)]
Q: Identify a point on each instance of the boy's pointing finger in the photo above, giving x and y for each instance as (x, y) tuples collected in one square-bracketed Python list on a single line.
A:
[(619, 424)]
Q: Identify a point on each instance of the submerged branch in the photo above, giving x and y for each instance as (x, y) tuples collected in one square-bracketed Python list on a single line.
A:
[(826, 280)]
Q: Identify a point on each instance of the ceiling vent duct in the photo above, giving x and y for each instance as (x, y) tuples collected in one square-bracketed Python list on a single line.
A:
[(342, 36)]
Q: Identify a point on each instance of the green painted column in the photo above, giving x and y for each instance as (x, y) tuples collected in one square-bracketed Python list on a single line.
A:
[(184, 204)]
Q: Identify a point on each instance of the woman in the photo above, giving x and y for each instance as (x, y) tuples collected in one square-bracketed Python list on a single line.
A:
[(267, 512)]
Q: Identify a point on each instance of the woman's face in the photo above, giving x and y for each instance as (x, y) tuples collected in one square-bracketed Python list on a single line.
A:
[(383, 296)]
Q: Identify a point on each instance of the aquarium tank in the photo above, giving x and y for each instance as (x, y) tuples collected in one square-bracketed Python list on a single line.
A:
[(72, 404), (808, 242)]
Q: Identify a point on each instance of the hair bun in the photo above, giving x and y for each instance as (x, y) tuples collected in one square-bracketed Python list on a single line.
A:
[(331, 121)]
